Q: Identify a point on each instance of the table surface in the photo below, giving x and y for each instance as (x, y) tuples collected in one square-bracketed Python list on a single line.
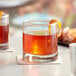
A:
[(13, 69)]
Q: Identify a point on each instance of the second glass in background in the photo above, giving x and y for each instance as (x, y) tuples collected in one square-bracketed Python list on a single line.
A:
[(73, 58), (4, 31)]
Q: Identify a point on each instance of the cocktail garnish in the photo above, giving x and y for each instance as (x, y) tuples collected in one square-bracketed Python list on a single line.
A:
[(54, 21)]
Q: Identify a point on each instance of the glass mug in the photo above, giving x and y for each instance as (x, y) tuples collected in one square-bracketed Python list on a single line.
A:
[(39, 41)]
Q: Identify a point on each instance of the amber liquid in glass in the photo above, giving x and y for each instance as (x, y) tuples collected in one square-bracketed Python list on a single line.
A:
[(4, 30), (39, 43)]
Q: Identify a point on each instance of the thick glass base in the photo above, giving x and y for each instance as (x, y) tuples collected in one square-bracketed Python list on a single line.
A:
[(4, 46), (39, 58)]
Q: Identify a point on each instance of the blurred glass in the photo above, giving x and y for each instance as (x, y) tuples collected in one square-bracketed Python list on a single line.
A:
[(73, 58)]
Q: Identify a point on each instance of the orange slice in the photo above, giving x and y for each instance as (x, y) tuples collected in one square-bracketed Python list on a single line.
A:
[(54, 21), (1, 14)]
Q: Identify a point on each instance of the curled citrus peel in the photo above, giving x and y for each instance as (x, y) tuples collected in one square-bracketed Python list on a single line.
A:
[(1, 14), (54, 21)]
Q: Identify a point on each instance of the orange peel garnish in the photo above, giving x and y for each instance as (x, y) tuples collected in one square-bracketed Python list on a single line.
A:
[(1, 14), (54, 21)]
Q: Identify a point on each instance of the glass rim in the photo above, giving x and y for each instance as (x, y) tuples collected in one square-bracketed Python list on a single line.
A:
[(72, 45), (5, 15), (33, 22)]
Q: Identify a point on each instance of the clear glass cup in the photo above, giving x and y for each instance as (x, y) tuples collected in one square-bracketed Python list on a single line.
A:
[(4, 31), (72, 47), (38, 44)]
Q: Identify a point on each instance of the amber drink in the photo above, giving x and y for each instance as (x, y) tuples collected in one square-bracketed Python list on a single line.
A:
[(4, 31), (38, 44)]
